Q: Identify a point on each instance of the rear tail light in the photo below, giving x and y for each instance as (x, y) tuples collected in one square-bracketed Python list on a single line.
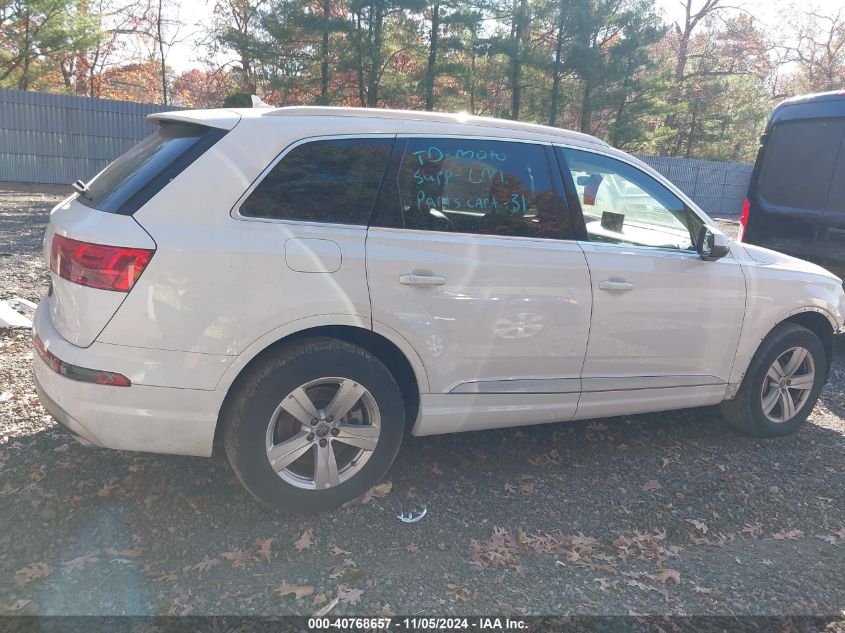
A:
[(743, 219), (74, 372), (98, 266)]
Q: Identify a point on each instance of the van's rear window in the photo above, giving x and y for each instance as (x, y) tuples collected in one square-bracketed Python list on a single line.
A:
[(798, 162), (129, 182)]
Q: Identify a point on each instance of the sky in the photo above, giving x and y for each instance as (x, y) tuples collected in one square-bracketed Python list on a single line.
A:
[(197, 13)]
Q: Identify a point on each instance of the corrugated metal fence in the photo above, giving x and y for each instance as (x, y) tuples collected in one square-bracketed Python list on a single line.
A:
[(718, 188), (49, 138), (46, 138)]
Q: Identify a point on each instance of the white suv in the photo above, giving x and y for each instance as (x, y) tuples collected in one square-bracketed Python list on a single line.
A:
[(310, 284)]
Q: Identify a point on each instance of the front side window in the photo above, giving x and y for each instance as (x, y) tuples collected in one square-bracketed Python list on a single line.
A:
[(323, 181), (623, 205), (473, 186)]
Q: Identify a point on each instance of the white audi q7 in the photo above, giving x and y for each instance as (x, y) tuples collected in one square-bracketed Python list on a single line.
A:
[(308, 285)]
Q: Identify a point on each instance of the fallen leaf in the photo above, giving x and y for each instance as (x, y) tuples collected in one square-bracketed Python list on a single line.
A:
[(238, 558), (791, 535), (264, 547), (334, 550), (377, 492), (26, 575), (305, 541), (699, 525), (435, 469), (411, 548), (319, 599), (169, 576), (300, 592), (108, 487), (668, 574), (651, 485), (349, 596), (18, 605), (80, 561), (204, 565)]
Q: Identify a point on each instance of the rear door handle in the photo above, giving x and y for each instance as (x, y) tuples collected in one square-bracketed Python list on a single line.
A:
[(422, 280), (615, 285)]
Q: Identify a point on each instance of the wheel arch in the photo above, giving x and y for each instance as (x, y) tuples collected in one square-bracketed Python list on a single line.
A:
[(409, 376), (819, 323), (817, 320)]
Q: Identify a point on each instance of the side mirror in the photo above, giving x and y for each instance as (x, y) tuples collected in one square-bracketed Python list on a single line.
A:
[(711, 246)]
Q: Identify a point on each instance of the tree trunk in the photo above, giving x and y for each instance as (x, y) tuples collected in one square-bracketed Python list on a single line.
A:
[(472, 78), (324, 55), (693, 124), (376, 53), (586, 109), (432, 56), (556, 74), (161, 52), (517, 33), (23, 84), (362, 97)]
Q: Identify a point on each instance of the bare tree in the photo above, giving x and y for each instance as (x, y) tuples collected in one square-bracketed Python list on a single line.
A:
[(820, 49)]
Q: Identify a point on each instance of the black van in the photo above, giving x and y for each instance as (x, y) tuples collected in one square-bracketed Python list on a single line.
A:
[(796, 199)]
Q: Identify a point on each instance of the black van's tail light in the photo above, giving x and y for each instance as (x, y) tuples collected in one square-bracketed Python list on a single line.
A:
[(96, 265), (743, 219), (83, 374)]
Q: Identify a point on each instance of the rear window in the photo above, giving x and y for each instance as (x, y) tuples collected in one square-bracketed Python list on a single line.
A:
[(323, 181), (129, 182), (798, 163)]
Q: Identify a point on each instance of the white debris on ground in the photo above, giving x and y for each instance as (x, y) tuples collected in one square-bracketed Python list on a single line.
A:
[(16, 313)]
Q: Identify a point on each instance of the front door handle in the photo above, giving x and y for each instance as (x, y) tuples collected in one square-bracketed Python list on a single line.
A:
[(422, 280), (607, 284)]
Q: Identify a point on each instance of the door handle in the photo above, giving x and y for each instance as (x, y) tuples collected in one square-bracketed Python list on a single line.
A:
[(422, 280), (615, 285)]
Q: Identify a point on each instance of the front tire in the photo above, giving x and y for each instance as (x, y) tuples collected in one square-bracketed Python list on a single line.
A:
[(314, 426), (782, 383)]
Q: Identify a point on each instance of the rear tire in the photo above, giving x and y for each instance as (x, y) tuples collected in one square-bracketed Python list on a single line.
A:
[(282, 438), (781, 385)]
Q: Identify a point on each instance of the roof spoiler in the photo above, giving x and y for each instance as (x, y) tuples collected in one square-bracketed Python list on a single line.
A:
[(219, 118)]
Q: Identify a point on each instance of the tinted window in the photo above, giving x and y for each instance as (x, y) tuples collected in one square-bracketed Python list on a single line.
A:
[(836, 198), (130, 181), (623, 205), (323, 181), (798, 162), (473, 186)]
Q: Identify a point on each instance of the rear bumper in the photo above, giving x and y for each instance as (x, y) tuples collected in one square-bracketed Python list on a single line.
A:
[(136, 418)]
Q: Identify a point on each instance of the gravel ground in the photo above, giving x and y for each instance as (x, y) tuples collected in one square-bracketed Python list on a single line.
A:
[(669, 513)]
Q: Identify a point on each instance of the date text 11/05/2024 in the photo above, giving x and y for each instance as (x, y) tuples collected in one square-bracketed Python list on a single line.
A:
[(416, 624)]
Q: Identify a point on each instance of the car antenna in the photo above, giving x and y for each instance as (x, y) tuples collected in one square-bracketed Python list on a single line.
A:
[(258, 103)]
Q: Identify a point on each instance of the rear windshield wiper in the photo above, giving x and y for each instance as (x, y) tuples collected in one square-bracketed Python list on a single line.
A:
[(82, 189)]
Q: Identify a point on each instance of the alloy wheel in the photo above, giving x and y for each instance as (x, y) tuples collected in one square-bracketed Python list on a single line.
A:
[(787, 384), (323, 432)]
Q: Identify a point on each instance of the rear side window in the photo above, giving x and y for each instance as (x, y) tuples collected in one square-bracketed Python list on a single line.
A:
[(129, 182), (323, 181), (473, 186), (798, 162)]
